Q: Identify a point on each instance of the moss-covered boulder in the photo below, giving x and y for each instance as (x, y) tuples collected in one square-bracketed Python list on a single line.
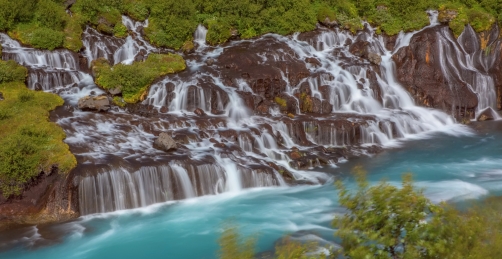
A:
[(135, 79)]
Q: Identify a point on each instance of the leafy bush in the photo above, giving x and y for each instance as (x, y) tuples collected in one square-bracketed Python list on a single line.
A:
[(10, 71), (29, 143), (134, 80)]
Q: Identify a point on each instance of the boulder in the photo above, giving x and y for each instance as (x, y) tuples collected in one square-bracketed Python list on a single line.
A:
[(94, 103), (164, 142), (115, 91), (314, 62), (487, 115), (199, 112), (209, 61), (1, 96), (329, 23), (374, 58)]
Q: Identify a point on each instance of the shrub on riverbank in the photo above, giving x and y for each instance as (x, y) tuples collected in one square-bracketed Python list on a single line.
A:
[(385, 221), (135, 79), (29, 143)]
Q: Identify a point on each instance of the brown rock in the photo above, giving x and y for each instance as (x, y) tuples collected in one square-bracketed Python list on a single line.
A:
[(486, 115), (313, 61), (374, 58), (419, 69), (164, 142), (94, 103), (199, 112), (115, 91)]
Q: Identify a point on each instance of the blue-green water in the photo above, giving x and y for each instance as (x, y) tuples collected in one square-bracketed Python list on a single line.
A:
[(449, 168)]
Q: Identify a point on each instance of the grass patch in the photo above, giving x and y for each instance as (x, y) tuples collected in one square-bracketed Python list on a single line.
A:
[(134, 80), (29, 143)]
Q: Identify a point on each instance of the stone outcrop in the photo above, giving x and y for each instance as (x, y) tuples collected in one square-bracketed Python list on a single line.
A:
[(50, 197), (94, 103), (424, 72), (164, 142)]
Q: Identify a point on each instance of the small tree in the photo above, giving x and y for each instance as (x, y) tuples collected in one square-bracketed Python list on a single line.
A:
[(385, 221)]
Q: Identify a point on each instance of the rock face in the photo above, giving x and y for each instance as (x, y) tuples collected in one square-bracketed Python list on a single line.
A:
[(94, 103), (424, 68), (164, 142), (50, 197), (374, 58)]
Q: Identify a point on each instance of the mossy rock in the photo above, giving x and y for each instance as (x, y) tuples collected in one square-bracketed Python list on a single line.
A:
[(135, 79)]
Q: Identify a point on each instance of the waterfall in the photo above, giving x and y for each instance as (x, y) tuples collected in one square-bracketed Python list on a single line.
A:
[(242, 138), (200, 35), (119, 189)]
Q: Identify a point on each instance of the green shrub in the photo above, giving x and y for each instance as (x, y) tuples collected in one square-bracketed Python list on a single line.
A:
[(120, 31), (29, 143), (50, 15), (10, 71), (134, 80), (219, 31)]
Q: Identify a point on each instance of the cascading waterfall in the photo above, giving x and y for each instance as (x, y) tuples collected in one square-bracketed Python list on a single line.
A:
[(231, 147), (200, 35), (118, 189)]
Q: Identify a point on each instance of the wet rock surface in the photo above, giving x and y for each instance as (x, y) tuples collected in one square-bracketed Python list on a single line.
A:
[(424, 69), (270, 110), (164, 142), (94, 103)]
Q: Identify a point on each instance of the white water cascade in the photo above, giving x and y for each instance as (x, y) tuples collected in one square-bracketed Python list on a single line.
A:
[(231, 134)]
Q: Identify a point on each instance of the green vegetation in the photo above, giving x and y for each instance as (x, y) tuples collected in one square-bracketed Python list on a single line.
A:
[(134, 80), (29, 143), (45, 24), (387, 222), (281, 102)]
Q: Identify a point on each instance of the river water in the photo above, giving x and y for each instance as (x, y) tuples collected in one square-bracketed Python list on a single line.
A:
[(449, 168)]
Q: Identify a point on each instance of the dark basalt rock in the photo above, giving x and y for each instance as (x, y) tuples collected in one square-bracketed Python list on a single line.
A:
[(199, 112), (420, 71)]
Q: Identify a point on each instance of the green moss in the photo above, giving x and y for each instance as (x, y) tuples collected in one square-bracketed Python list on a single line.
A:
[(306, 104), (73, 33), (10, 71), (38, 37), (188, 47), (29, 143), (119, 101), (134, 80), (120, 31), (281, 102)]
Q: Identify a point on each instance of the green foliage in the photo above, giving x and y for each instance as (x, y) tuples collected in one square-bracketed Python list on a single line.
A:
[(50, 15), (384, 221), (232, 246), (135, 79), (29, 143), (281, 102), (10, 71), (120, 31), (172, 23)]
